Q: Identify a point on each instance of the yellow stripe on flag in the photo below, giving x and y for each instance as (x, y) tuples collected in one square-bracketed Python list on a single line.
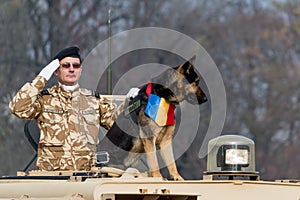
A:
[(162, 113)]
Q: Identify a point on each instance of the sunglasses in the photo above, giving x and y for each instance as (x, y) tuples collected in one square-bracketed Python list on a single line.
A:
[(68, 65)]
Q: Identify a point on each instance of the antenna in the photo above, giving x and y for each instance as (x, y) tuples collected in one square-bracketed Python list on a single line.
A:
[(109, 73)]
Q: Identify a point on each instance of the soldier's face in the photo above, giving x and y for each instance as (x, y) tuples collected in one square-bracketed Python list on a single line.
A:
[(69, 71)]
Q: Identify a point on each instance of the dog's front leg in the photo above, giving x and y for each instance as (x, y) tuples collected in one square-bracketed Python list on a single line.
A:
[(166, 152), (152, 162)]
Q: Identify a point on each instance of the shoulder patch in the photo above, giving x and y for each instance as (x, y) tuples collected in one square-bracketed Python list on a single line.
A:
[(134, 105)]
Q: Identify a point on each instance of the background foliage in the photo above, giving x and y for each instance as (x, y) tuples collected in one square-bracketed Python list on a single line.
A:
[(255, 45)]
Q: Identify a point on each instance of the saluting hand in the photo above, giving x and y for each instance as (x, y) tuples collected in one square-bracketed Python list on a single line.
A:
[(50, 69)]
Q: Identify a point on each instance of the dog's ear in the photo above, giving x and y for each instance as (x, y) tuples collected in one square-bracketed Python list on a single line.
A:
[(185, 68)]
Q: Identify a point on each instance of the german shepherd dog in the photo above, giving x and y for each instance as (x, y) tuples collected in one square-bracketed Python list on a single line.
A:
[(134, 132)]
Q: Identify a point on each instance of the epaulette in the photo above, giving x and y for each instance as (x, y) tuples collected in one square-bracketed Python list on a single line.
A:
[(95, 93), (88, 92), (45, 92), (42, 93)]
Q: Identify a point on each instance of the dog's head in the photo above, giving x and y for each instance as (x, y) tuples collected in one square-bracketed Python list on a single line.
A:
[(181, 83)]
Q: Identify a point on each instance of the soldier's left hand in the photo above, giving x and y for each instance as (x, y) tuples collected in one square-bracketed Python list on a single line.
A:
[(133, 92)]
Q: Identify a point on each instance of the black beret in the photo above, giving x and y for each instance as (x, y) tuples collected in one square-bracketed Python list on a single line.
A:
[(72, 51)]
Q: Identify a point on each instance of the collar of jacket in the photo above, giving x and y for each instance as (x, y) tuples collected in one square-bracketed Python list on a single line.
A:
[(68, 94), (68, 87)]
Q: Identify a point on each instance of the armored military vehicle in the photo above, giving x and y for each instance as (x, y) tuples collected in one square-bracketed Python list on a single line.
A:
[(230, 175)]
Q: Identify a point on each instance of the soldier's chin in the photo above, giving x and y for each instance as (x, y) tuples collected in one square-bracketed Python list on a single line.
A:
[(70, 83)]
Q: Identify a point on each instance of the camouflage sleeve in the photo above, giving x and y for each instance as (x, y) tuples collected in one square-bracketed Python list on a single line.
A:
[(109, 112), (25, 105)]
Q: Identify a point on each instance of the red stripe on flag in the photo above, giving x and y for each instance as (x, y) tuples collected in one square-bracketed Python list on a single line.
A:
[(171, 117)]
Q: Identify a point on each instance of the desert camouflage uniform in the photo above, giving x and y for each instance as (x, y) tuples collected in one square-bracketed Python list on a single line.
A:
[(68, 120)]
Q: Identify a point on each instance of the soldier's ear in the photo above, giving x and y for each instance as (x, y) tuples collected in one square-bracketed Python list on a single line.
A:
[(56, 72)]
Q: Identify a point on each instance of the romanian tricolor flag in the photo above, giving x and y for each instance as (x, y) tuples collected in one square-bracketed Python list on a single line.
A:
[(160, 110)]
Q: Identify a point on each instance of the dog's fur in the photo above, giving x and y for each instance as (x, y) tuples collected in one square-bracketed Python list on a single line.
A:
[(137, 133)]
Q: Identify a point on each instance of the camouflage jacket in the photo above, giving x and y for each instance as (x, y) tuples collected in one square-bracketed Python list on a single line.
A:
[(68, 121)]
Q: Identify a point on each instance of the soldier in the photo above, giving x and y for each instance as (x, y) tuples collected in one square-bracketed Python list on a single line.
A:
[(67, 115)]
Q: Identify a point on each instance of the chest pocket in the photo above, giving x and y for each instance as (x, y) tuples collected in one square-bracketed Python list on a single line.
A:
[(90, 116), (52, 125)]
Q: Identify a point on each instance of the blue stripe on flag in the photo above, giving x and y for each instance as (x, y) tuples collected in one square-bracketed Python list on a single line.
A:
[(152, 106)]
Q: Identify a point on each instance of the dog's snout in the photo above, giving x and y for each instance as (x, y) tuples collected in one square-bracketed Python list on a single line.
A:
[(203, 99)]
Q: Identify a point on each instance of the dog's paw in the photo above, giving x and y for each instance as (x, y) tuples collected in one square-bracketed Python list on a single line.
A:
[(156, 174), (177, 178)]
